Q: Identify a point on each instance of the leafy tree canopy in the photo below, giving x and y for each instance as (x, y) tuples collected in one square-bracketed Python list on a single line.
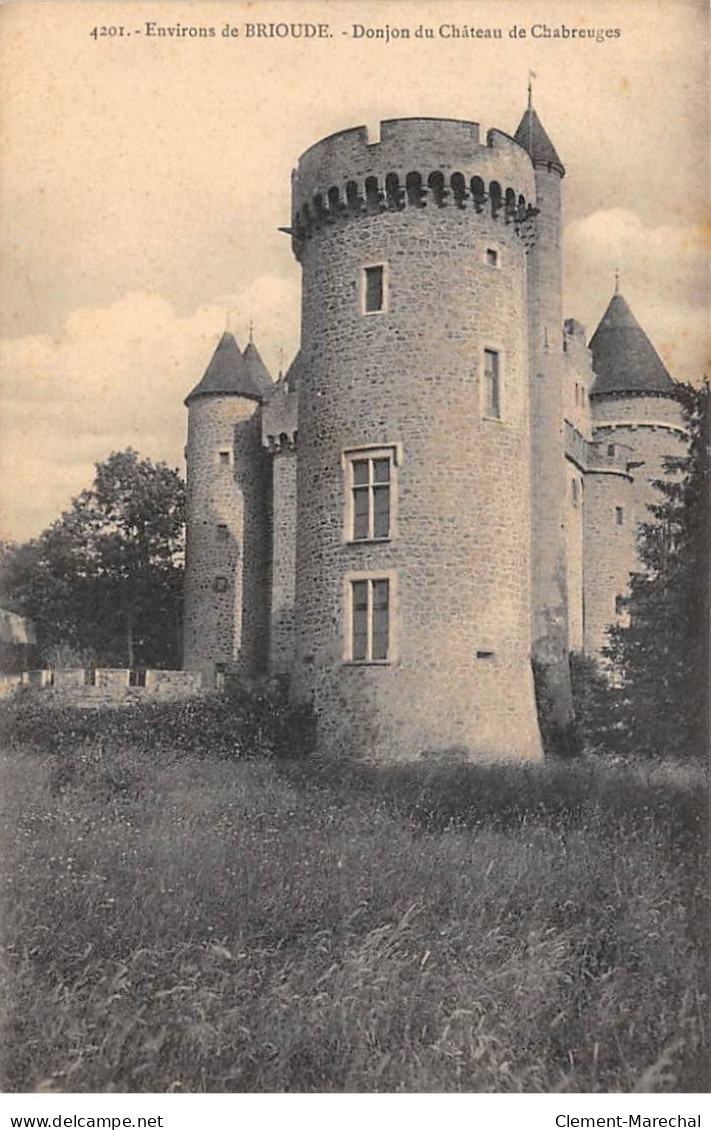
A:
[(104, 582)]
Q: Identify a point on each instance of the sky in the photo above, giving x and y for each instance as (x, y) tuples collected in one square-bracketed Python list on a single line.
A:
[(143, 180)]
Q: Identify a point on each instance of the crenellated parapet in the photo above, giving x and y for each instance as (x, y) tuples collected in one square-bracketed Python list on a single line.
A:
[(416, 164), (598, 456), (610, 458), (280, 420)]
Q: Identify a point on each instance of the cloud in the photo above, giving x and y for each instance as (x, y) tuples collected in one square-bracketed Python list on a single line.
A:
[(116, 376), (663, 276)]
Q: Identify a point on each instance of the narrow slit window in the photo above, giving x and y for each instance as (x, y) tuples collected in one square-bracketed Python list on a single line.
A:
[(574, 491), (492, 379), (374, 289), (619, 516), (370, 620)]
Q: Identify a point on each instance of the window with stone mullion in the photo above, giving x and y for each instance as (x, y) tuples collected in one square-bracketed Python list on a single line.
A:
[(371, 499)]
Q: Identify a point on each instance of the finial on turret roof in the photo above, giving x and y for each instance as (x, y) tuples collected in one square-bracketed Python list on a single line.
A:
[(281, 363), (251, 331), (617, 280), (531, 76)]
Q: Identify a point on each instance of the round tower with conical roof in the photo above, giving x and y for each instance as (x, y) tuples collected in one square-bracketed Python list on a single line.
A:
[(414, 501), (637, 425), (227, 553)]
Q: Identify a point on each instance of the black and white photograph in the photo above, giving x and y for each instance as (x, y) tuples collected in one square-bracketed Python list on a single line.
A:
[(354, 543)]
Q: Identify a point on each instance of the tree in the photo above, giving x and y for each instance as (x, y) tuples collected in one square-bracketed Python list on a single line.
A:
[(660, 660), (106, 578)]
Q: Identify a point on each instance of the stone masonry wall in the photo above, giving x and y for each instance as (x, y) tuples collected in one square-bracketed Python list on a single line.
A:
[(281, 651), (610, 552), (227, 549), (411, 376), (574, 512), (643, 430), (577, 381), (548, 550), (651, 427)]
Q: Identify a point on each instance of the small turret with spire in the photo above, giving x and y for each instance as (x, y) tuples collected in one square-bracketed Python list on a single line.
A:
[(533, 138), (550, 638), (225, 620)]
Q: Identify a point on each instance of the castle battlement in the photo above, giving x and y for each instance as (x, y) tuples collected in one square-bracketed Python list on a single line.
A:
[(280, 420), (416, 162)]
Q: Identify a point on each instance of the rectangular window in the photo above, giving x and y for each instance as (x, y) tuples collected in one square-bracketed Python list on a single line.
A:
[(222, 531), (224, 458), (619, 515), (374, 293), (492, 391), (370, 493), (369, 620), (492, 257), (619, 605), (610, 449)]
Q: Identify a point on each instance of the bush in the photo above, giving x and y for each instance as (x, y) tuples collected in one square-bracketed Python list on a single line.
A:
[(232, 726)]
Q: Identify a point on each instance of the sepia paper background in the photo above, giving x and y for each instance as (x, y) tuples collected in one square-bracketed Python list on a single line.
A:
[(143, 181)]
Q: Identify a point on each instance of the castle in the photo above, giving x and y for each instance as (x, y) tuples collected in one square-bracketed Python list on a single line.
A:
[(447, 482)]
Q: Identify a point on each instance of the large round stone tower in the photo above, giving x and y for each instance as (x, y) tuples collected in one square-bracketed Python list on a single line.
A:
[(414, 511), (225, 627)]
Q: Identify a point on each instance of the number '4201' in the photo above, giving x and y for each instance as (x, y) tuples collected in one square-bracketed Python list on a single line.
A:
[(112, 31)]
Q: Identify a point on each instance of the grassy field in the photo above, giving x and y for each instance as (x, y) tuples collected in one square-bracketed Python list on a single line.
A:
[(178, 916)]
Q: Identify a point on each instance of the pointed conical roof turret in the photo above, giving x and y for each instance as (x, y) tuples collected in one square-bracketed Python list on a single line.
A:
[(291, 377), (534, 139), (228, 374), (257, 369), (623, 357)]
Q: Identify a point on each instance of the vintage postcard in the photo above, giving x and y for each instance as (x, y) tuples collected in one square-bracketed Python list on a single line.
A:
[(346, 630)]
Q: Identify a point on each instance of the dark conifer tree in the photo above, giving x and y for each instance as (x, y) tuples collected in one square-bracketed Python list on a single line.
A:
[(659, 701)]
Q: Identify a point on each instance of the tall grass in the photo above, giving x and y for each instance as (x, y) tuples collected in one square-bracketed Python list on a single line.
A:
[(179, 921)]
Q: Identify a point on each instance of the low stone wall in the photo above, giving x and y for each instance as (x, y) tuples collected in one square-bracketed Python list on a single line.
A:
[(68, 678), (109, 684), (111, 678), (173, 683), (35, 680)]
